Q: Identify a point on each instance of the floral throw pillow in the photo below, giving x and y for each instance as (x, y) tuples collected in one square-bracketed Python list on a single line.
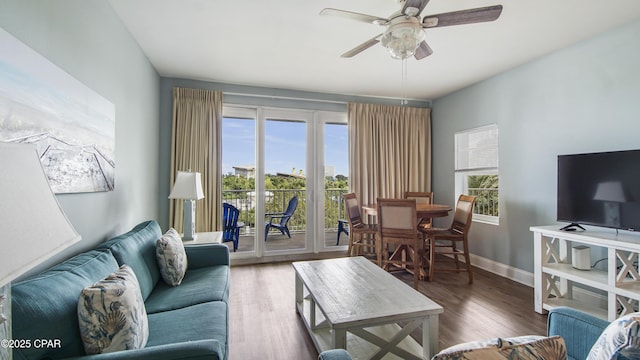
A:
[(492, 343), (547, 348), (172, 259), (111, 314), (620, 340)]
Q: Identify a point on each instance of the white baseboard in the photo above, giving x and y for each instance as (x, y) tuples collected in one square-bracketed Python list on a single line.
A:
[(509, 272)]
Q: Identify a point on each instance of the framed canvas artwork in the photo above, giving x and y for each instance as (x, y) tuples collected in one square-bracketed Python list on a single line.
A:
[(72, 127)]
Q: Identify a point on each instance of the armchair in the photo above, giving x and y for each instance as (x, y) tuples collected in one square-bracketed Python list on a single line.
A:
[(284, 219)]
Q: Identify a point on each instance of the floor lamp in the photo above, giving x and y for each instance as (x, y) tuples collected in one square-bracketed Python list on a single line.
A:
[(34, 227), (188, 187)]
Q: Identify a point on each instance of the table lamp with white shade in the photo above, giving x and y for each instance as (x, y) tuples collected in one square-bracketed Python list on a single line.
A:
[(188, 187), (34, 227)]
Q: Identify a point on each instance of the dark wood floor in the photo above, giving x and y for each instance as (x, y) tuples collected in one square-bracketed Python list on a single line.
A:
[(264, 323)]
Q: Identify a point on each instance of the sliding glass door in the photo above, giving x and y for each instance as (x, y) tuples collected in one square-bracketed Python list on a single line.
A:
[(286, 171), (285, 180), (239, 171)]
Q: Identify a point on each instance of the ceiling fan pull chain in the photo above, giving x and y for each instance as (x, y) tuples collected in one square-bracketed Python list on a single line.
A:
[(404, 100)]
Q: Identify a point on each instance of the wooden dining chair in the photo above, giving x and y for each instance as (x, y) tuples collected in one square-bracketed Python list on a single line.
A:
[(421, 197), (443, 241), (397, 226), (361, 235)]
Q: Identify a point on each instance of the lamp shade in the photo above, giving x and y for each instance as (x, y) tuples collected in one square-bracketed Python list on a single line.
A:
[(187, 186), (610, 191), (33, 225)]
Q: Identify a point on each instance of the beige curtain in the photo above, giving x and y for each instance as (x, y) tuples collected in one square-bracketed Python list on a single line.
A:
[(196, 146), (389, 150)]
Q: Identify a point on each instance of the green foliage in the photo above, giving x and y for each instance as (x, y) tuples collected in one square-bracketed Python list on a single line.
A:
[(340, 182), (275, 182), (282, 189)]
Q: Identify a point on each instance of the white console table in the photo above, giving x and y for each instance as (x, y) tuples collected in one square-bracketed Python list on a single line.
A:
[(554, 276)]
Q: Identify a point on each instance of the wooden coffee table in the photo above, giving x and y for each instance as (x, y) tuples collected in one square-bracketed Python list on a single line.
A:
[(351, 303)]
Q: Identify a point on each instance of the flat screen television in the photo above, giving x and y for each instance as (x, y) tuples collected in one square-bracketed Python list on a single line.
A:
[(601, 189)]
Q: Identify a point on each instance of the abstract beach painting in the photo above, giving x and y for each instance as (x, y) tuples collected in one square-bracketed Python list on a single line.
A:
[(72, 127)]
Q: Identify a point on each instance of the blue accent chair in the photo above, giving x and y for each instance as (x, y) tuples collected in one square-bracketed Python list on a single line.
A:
[(231, 225), (334, 354), (343, 227), (284, 219)]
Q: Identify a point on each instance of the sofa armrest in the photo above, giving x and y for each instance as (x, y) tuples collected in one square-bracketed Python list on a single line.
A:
[(578, 329), (199, 256), (191, 350)]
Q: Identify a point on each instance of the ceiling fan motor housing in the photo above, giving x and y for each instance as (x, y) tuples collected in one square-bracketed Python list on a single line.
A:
[(402, 37)]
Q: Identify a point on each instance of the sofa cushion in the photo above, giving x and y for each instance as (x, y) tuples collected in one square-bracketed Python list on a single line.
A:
[(137, 248), (204, 321), (45, 306), (198, 286), (171, 257), (111, 314), (620, 340), (515, 348)]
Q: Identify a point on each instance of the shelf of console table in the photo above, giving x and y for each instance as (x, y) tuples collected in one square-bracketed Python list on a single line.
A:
[(555, 278)]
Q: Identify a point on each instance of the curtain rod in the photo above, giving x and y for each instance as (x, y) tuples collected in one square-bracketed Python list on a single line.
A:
[(285, 98)]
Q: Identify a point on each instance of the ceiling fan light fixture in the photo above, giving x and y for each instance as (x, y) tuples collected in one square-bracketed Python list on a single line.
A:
[(402, 39)]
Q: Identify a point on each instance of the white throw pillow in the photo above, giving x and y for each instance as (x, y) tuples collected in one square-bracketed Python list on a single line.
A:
[(172, 259), (620, 340), (111, 314)]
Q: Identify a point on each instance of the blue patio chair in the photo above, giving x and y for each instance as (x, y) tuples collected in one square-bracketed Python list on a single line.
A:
[(343, 227), (284, 219), (231, 225)]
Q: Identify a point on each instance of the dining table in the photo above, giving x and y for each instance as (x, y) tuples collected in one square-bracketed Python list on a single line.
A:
[(423, 211)]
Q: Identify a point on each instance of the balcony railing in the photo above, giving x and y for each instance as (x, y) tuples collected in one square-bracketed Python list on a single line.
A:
[(486, 201), (277, 201)]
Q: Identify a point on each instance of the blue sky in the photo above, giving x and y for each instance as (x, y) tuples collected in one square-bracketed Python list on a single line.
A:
[(285, 146)]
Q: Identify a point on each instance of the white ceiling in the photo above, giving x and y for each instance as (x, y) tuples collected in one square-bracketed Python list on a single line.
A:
[(286, 43)]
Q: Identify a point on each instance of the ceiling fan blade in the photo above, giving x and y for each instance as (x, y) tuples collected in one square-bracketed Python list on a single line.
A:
[(470, 16), (423, 51), (362, 47), (355, 16), (415, 4)]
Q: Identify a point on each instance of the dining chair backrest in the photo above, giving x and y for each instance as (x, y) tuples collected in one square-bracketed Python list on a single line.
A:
[(464, 213), (421, 197), (397, 226), (397, 217), (352, 208)]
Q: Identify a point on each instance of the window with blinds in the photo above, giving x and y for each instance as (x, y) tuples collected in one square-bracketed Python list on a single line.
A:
[(476, 170)]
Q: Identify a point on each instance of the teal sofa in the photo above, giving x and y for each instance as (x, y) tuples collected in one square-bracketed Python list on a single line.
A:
[(189, 321)]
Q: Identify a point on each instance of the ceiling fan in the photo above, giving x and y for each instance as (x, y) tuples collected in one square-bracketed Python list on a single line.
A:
[(404, 36)]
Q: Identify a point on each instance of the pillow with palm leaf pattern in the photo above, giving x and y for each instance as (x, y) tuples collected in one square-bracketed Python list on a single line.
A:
[(619, 341), (111, 314), (546, 348)]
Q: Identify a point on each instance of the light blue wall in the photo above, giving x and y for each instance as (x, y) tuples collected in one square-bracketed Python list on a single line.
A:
[(580, 99), (86, 39)]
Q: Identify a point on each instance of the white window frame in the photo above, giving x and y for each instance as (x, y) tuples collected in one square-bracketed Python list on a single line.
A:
[(462, 172)]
